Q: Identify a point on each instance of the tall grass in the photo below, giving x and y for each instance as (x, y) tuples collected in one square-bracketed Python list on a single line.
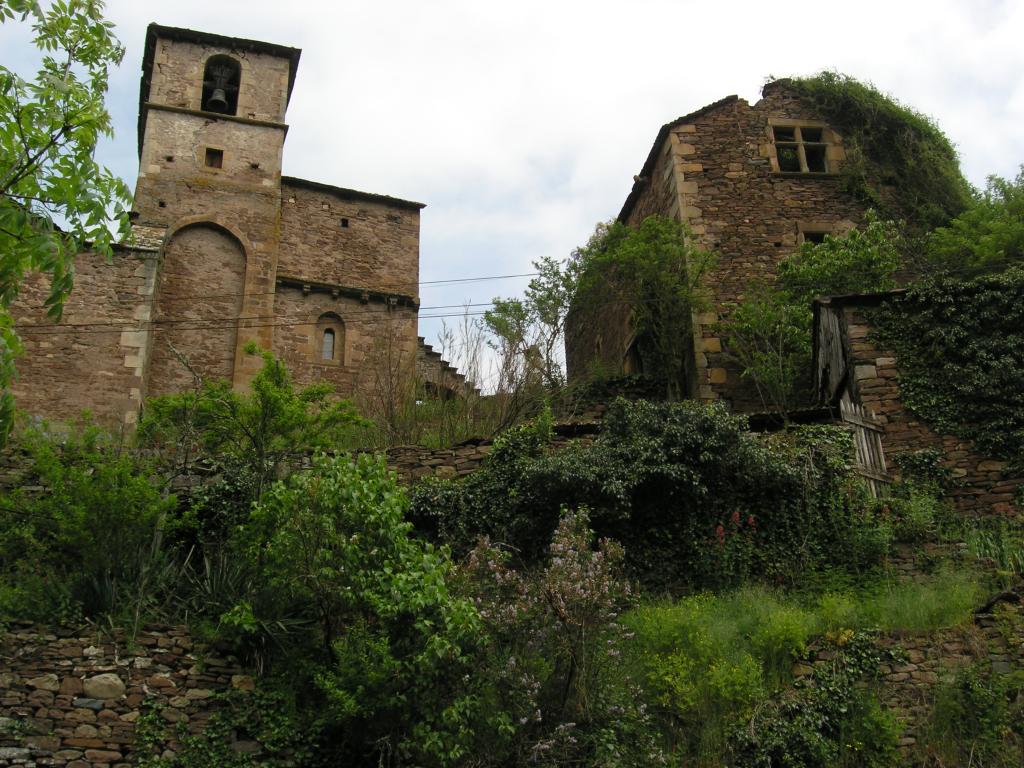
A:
[(944, 600), (709, 660)]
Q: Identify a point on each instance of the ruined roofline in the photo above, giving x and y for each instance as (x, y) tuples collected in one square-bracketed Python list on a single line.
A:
[(352, 194), (156, 32), (641, 179)]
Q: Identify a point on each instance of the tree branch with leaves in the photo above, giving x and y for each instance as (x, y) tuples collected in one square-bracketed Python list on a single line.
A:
[(55, 199)]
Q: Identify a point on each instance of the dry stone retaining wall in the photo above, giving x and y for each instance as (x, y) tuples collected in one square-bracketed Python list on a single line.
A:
[(73, 699)]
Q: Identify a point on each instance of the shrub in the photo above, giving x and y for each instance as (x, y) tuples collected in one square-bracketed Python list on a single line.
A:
[(552, 671), (978, 719), (832, 720), (332, 543), (83, 535), (689, 492)]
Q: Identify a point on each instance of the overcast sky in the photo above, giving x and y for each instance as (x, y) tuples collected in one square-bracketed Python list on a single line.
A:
[(521, 124)]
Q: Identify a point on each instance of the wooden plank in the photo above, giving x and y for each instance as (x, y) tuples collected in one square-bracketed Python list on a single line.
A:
[(882, 477)]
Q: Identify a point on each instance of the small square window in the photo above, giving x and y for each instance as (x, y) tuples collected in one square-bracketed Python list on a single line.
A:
[(214, 158), (800, 148), (814, 237)]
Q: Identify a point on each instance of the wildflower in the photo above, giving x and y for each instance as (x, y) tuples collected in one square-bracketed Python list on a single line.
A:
[(735, 519), (720, 533), (750, 522)]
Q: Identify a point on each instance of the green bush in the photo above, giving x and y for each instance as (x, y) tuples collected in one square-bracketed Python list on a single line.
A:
[(551, 675), (691, 494), (832, 720), (978, 719), (333, 545), (83, 535)]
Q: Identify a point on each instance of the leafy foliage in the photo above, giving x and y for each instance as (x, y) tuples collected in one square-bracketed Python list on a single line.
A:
[(769, 333), (978, 719), (55, 200), (333, 544), (988, 236), (267, 715), (554, 685), (832, 721), (527, 332), (252, 432), (897, 159), (82, 536), (652, 274), (961, 351), (662, 479)]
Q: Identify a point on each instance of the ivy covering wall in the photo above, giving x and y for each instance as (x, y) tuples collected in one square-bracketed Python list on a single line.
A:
[(961, 352), (898, 160)]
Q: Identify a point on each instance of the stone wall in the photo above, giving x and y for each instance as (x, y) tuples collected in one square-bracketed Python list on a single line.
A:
[(73, 699), (349, 238), (994, 639), (414, 462), (94, 359), (983, 485), (375, 345)]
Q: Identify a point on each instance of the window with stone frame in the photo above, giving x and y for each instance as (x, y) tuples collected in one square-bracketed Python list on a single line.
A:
[(328, 340), (800, 148)]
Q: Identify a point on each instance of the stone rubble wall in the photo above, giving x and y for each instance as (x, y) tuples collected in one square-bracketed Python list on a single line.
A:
[(414, 462), (984, 486), (73, 699), (995, 639)]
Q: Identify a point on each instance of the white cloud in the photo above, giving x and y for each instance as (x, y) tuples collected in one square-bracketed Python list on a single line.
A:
[(521, 124)]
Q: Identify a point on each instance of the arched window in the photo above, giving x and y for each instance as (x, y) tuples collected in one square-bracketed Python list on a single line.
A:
[(327, 346), (220, 85)]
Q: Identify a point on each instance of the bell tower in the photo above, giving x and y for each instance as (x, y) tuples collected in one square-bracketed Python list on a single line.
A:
[(211, 135)]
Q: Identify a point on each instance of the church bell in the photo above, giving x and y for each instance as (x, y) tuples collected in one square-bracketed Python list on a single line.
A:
[(218, 101)]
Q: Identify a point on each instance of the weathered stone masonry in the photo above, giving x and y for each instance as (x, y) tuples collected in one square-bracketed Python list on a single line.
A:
[(227, 252), (74, 700), (850, 363), (718, 170)]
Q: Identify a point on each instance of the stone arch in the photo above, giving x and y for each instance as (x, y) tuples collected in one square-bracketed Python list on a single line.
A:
[(200, 293), (222, 76), (329, 327)]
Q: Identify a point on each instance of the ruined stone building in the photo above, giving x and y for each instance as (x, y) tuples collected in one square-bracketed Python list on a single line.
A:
[(752, 182), (227, 251)]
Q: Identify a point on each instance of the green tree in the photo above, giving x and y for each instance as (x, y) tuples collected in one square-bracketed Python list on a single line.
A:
[(988, 236), (769, 333), (55, 200), (253, 431), (654, 273), (333, 542)]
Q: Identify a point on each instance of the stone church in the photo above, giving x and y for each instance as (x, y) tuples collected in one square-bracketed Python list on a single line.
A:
[(227, 251), (752, 181)]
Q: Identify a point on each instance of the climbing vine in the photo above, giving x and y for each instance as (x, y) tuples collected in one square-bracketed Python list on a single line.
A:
[(898, 160), (961, 351)]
